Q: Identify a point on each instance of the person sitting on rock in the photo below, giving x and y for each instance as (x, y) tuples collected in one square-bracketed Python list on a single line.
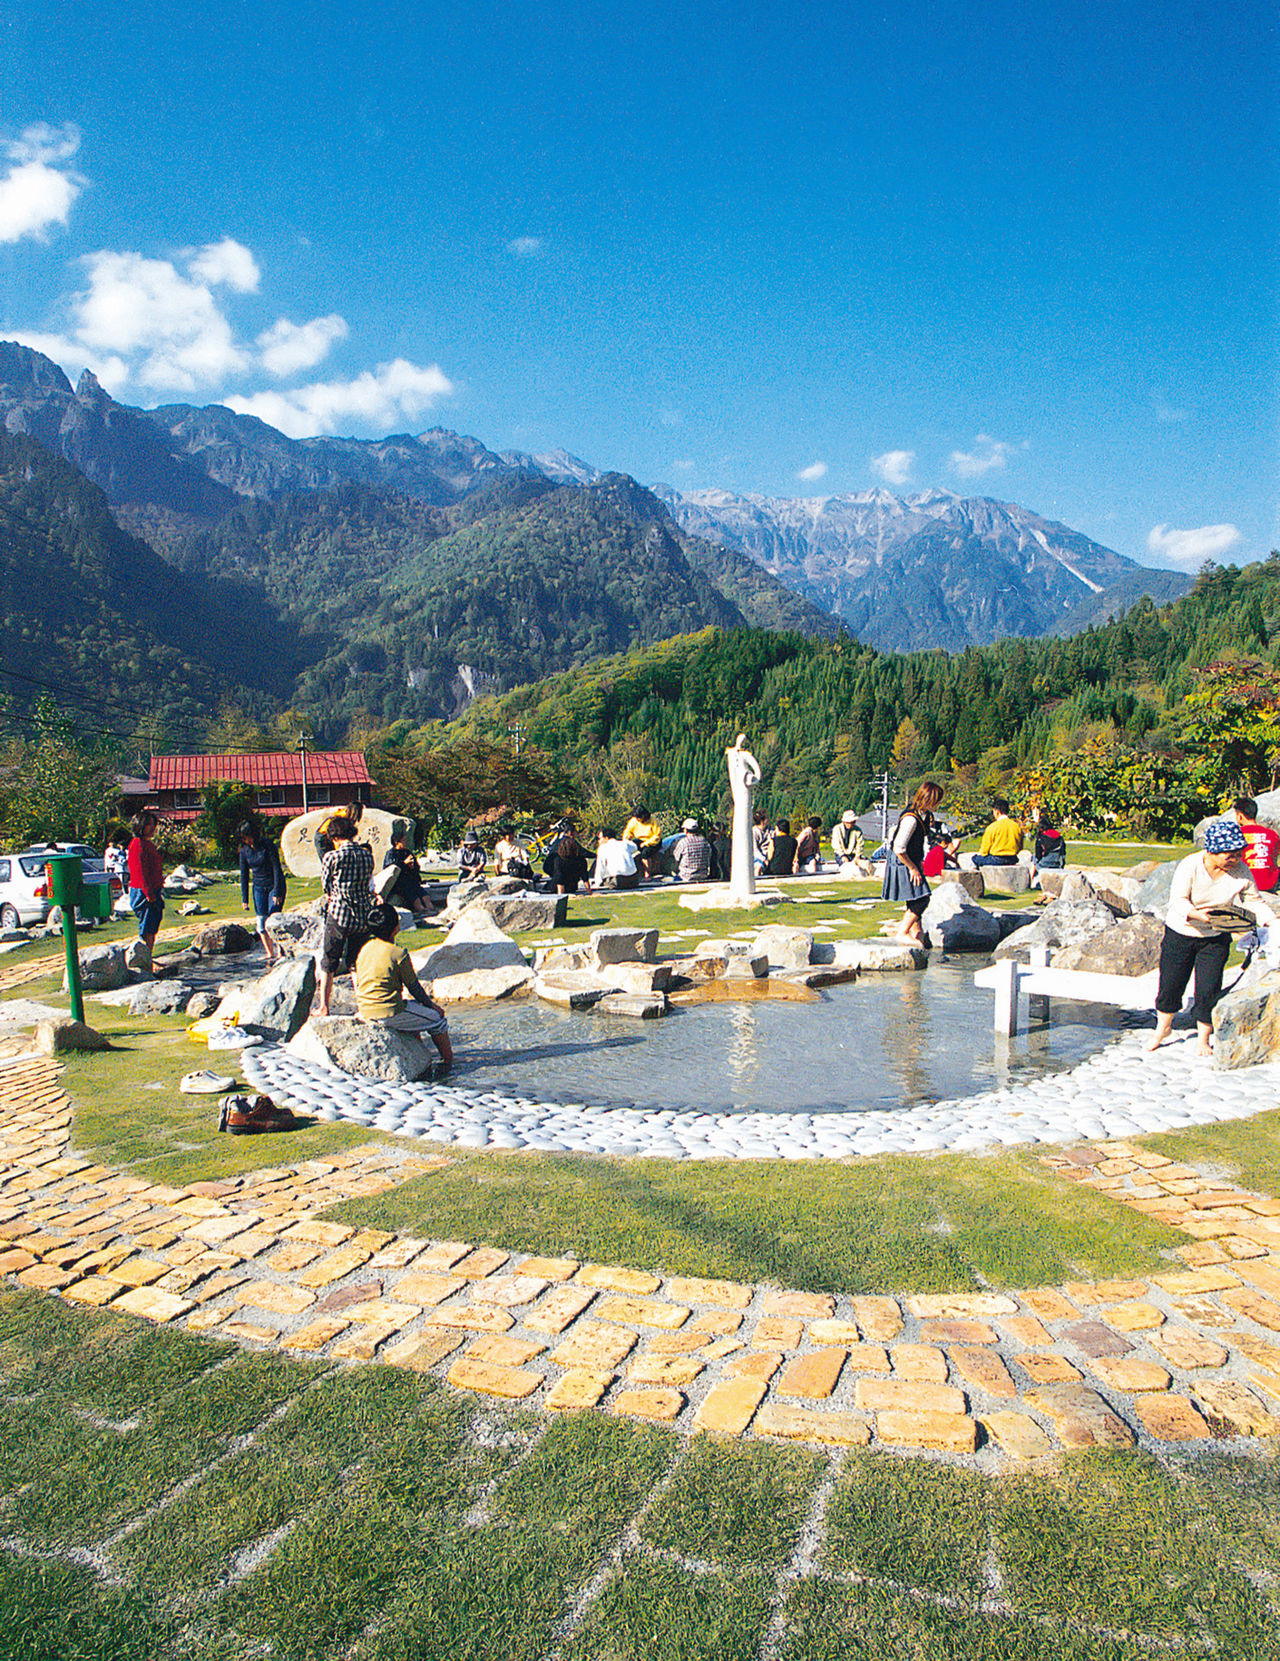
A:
[(692, 854), (345, 876), (407, 889), (646, 832), (615, 865), (1262, 844), (1049, 850), (384, 975), (782, 853), (942, 855), (847, 840), (808, 849), (1002, 839), (471, 860), (511, 858)]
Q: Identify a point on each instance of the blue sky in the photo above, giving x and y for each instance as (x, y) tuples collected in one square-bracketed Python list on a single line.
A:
[(1022, 250)]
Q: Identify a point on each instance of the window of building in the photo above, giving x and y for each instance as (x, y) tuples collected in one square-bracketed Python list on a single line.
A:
[(271, 798), (319, 795), (187, 798)]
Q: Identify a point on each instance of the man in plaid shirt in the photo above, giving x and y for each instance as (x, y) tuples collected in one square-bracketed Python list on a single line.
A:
[(346, 874)]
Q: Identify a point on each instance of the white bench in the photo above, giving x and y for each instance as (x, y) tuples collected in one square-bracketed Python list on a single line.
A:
[(1015, 983)]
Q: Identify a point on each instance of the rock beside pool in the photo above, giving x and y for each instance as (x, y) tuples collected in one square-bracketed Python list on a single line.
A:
[(743, 963), (879, 956), (1006, 879), (520, 911), (1129, 947), (1072, 921), (297, 933), (221, 939), (1153, 893), (474, 960), (275, 1006), (571, 988), (785, 948), (641, 979), (1246, 1021), (952, 921), (102, 969), (159, 997), (634, 1006), (970, 881), (623, 946), (344, 1044)]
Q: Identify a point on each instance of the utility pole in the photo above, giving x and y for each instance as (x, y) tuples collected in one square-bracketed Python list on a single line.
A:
[(883, 782), (303, 738), (518, 730)]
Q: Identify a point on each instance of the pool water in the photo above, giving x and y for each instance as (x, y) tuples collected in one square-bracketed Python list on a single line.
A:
[(885, 1041)]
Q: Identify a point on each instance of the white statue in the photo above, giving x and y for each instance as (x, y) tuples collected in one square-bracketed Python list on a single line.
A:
[(744, 776)]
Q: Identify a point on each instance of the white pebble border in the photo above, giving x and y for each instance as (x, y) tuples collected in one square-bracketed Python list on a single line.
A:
[(1121, 1091)]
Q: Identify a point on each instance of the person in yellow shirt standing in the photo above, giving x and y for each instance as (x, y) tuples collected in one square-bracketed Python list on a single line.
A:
[(1002, 839)]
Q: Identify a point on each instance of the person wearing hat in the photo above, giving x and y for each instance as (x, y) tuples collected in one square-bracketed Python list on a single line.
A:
[(1214, 876), (846, 839), (692, 854), (470, 858)]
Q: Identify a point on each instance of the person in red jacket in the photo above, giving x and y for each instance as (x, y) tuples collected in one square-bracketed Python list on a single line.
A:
[(146, 877), (1262, 844)]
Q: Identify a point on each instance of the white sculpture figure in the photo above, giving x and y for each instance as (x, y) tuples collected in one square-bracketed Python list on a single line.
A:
[(744, 776)]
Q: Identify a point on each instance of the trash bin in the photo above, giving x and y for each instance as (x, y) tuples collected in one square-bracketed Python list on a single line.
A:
[(94, 904), (64, 873)]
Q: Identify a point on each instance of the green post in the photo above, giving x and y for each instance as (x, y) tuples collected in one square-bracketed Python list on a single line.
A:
[(64, 872)]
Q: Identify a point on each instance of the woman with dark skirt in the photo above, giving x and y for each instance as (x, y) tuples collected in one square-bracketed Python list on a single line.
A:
[(1215, 877), (904, 881)]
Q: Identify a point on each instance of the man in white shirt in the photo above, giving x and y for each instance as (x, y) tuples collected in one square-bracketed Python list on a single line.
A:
[(615, 862)]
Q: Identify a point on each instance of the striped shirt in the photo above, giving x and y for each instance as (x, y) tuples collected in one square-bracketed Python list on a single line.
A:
[(346, 875)]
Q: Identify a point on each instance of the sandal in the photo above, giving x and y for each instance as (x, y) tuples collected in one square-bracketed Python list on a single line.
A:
[(205, 1084)]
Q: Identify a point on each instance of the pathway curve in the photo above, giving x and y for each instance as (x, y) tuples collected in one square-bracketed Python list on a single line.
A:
[(1172, 1359)]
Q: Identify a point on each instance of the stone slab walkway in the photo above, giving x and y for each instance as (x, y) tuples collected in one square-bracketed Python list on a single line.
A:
[(1120, 1091), (1168, 1361)]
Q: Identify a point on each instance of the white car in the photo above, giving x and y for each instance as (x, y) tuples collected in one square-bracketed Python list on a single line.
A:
[(24, 889)]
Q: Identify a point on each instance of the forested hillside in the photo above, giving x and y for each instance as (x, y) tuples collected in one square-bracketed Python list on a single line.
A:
[(98, 619), (822, 716)]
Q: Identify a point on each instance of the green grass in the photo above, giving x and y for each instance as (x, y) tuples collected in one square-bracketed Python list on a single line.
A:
[(907, 1520), (896, 1223), (371, 1515), (1248, 1149), (735, 1504)]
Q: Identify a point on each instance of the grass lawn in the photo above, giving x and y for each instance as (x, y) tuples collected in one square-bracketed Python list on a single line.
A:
[(163, 1496)]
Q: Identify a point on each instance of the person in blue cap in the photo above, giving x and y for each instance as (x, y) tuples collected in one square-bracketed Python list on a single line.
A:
[(1214, 876)]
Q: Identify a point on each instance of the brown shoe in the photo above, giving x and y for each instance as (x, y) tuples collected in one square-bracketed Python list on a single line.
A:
[(252, 1115)]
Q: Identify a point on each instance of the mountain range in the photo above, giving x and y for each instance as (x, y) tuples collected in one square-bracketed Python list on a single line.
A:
[(409, 571)]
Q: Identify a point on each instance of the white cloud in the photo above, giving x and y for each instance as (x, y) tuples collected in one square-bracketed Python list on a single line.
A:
[(525, 247), (1168, 414), (815, 470), (894, 466), (288, 348), (988, 456), (1189, 549), (225, 264), (378, 398), (37, 192)]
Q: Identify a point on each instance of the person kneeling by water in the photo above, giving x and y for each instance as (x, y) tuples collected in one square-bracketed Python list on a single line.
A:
[(383, 974)]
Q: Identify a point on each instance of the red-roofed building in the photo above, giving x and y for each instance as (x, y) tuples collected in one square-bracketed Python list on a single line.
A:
[(334, 779)]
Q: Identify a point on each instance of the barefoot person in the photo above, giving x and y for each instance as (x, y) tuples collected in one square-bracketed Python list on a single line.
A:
[(384, 974), (1216, 877), (146, 877), (904, 880), (345, 874)]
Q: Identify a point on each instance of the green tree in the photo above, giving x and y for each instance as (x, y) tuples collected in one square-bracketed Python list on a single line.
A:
[(227, 805)]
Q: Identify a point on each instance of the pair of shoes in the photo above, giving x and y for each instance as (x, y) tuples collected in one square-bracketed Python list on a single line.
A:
[(252, 1115), (205, 1084)]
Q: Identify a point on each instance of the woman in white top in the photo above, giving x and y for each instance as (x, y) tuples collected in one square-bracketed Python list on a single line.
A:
[(1218, 876)]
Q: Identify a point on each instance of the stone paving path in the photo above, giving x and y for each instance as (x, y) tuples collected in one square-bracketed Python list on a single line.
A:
[(1169, 1360)]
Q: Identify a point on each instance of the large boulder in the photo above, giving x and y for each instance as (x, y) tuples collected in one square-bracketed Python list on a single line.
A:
[(463, 894), (298, 838), (57, 1037), (520, 910), (344, 1044), (623, 946), (1069, 921), (137, 957), (952, 921), (1006, 879), (102, 969), (159, 997), (1246, 1020), (785, 948), (879, 956), (1097, 885), (571, 988), (970, 881), (474, 960), (275, 1006), (1153, 893), (223, 939), (297, 933), (1130, 946)]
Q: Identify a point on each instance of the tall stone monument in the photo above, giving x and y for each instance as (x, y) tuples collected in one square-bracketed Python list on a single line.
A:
[(744, 776)]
